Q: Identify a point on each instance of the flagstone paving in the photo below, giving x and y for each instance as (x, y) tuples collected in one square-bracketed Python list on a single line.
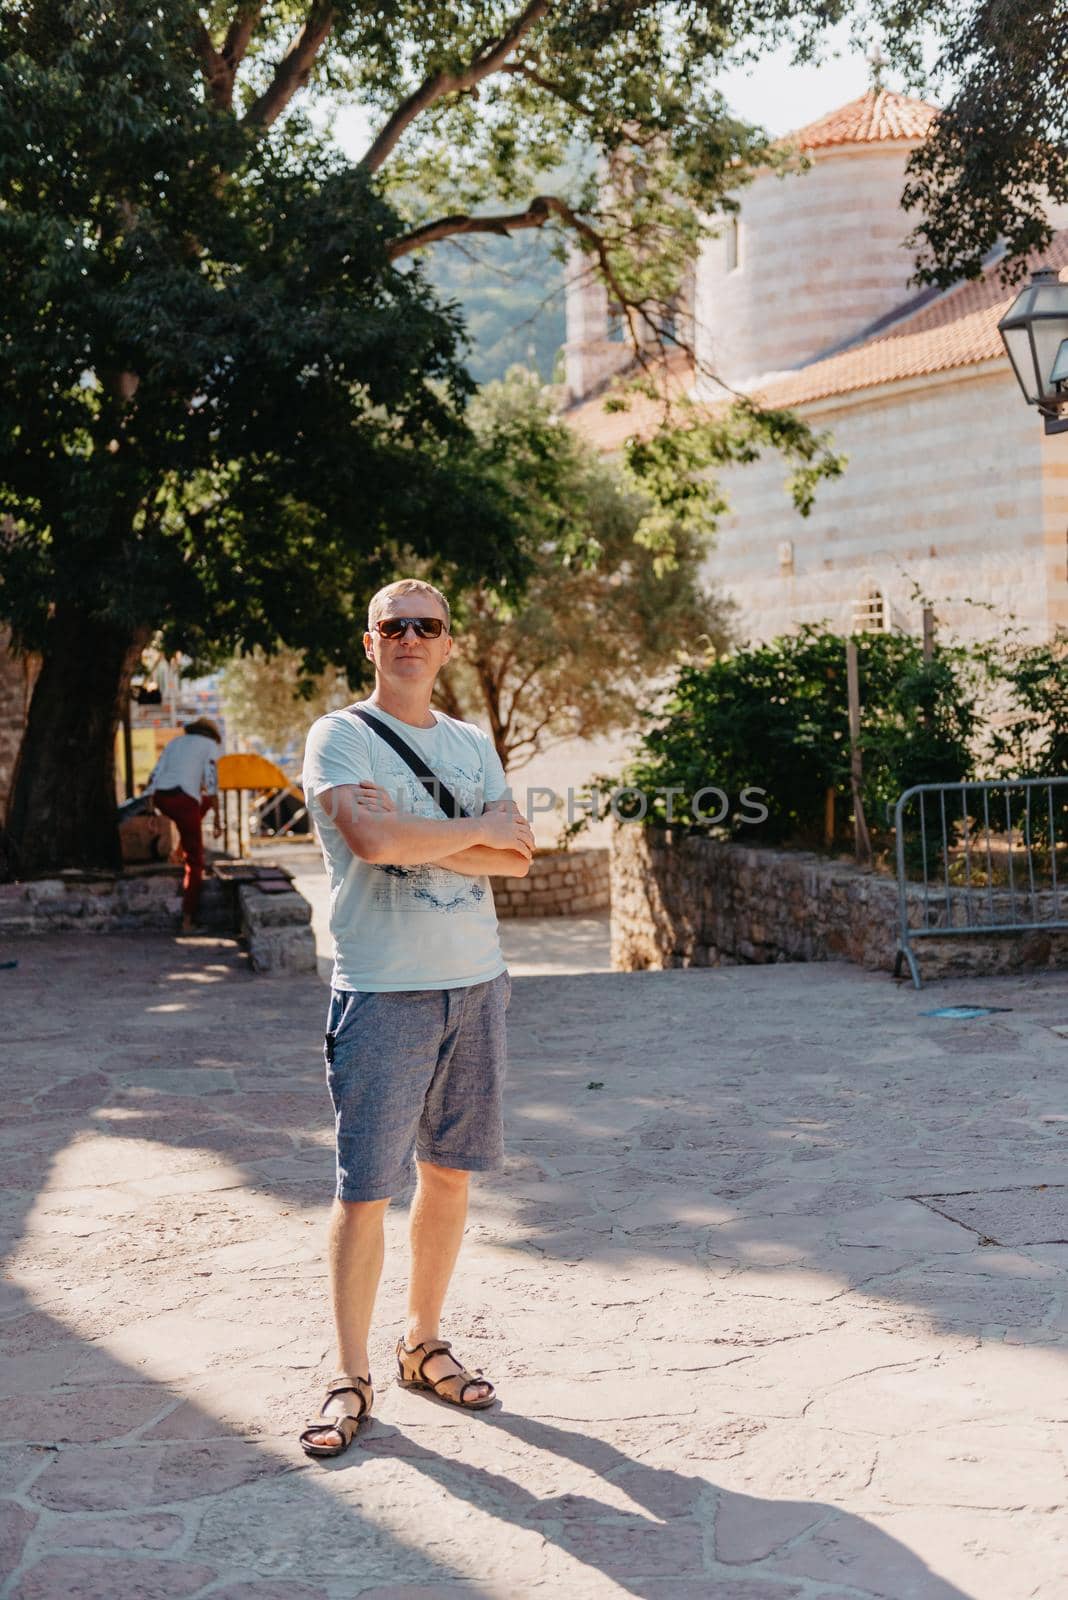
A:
[(774, 1302)]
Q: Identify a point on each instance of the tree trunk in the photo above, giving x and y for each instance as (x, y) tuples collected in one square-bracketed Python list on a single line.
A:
[(62, 807)]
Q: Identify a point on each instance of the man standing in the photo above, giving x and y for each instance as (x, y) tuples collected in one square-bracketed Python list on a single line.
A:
[(184, 786), (415, 1033)]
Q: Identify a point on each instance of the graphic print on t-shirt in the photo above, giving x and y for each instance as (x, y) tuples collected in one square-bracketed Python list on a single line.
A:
[(450, 938), (429, 887)]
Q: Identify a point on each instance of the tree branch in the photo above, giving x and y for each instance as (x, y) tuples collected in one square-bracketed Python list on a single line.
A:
[(491, 698), (508, 722), (294, 69), (520, 69), (530, 739), (445, 696), (504, 662), (524, 683), (239, 33), (219, 67), (490, 58), (217, 76), (537, 214)]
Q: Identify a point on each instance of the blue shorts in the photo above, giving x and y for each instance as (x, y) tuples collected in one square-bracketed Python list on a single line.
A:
[(415, 1072)]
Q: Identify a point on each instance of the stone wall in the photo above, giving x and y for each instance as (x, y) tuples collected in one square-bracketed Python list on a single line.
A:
[(148, 900), (683, 901), (275, 928), (560, 883)]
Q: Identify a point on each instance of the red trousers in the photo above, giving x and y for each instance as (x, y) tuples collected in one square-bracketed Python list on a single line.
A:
[(186, 813)]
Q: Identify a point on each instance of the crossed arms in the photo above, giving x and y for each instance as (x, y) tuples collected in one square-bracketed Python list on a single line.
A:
[(500, 842)]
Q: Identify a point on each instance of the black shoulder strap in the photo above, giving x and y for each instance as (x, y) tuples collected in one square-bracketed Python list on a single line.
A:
[(433, 785)]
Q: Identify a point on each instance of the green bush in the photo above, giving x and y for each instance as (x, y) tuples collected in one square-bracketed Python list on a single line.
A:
[(775, 717), (1030, 736)]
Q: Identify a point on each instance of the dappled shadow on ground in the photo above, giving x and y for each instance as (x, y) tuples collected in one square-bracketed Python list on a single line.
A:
[(653, 1255)]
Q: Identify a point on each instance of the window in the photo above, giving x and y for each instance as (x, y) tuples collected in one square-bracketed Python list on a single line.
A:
[(870, 612), (616, 329), (733, 241)]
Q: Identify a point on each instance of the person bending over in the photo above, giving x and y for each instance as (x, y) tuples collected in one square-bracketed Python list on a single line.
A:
[(184, 786)]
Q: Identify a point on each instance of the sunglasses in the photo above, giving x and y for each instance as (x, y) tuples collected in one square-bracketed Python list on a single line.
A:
[(396, 627)]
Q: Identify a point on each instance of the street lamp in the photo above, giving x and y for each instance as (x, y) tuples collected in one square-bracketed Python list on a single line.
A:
[(1035, 333)]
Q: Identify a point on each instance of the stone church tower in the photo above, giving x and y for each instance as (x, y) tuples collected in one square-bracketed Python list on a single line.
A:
[(803, 269)]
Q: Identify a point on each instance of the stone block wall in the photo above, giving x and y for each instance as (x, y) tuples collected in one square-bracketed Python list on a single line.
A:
[(684, 901), (560, 883), (276, 928), (148, 901), (944, 490)]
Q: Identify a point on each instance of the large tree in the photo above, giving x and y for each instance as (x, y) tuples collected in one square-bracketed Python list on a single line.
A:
[(227, 388), (216, 397)]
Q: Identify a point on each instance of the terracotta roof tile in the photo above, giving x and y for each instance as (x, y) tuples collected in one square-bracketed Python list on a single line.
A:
[(957, 329), (874, 118)]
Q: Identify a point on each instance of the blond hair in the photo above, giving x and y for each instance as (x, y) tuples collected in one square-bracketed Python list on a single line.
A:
[(404, 586)]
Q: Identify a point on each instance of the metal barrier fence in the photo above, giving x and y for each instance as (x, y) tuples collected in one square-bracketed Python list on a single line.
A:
[(983, 858)]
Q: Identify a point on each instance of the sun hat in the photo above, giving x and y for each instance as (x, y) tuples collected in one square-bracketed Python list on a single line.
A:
[(205, 726)]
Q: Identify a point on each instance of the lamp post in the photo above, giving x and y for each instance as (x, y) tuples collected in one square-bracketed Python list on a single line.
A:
[(1035, 333)]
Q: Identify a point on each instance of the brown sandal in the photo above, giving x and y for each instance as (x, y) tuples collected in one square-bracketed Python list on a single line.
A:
[(413, 1376), (346, 1423)]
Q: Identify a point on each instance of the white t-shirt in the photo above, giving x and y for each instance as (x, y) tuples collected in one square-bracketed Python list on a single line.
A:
[(187, 763), (417, 927)]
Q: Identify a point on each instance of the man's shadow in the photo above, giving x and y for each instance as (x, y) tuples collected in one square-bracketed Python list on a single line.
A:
[(679, 1527)]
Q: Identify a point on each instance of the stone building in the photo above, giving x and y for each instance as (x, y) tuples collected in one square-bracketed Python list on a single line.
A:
[(951, 490)]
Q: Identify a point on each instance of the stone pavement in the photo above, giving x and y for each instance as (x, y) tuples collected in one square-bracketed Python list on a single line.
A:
[(736, 1359)]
